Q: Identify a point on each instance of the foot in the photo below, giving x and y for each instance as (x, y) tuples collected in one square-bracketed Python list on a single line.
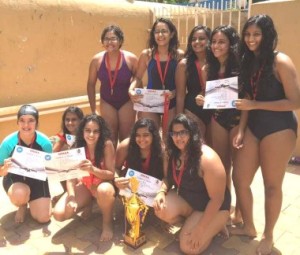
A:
[(265, 246), (236, 220), (87, 211), (107, 232), (170, 228), (20, 214), (243, 231)]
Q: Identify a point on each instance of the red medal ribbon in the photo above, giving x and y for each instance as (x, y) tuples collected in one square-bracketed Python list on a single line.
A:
[(198, 66), (165, 117), (112, 81), (162, 77), (146, 163), (178, 178), (254, 80)]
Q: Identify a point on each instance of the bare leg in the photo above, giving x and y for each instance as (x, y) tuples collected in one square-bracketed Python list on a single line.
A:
[(126, 116), (40, 209), (105, 199), (274, 160), (19, 194), (245, 166)]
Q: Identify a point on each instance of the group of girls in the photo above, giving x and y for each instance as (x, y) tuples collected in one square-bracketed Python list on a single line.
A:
[(199, 146)]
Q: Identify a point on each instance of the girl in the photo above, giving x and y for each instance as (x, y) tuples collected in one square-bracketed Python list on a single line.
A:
[(94, 135), (160, 61), (270, 136), (200, 197), (114, 68)]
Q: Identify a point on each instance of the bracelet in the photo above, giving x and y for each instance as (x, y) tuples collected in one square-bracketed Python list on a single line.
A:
[(162, 190)]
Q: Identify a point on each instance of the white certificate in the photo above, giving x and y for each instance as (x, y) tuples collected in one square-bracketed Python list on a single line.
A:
[(28, 162), (148, 186), (221, 94), (64, 165), (152, 100), (70, 140)]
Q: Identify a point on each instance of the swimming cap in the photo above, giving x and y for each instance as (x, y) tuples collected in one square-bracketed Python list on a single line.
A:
[(28, 109)]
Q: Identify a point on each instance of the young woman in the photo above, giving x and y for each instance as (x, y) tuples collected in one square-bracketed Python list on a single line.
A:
[(142, 152), (114, 68), (69, 125), (160, 61), (200, 196), (21, 190), (191, 77), (270, 136), (94, 135)]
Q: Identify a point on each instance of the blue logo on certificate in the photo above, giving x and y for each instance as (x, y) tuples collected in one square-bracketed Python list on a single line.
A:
[(48, 157), (138, 91), (68, 137), (131, 173), (233, 103), (19, 149)]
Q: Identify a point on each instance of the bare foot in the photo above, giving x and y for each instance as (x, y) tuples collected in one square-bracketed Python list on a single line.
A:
[(224, 233), (170, 228), (243, 231), (87, 211), (20, 214), (107, 232), (265, 246)]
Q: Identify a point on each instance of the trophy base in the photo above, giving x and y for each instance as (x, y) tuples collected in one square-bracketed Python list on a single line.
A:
[(137, 243)]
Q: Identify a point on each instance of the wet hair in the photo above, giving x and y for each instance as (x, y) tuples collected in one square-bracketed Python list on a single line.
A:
[(194, 151), (134, 158), (116, 30), (28, 109), (174, 42), (189, 53), (232, 63), (71, 109), (103, 137), (251, 63)]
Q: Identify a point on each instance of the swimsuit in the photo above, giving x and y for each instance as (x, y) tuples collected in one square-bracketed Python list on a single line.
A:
[(120, 92), (194, 89), (263, 122), (92, 181), (38, 188), (154, 81), (194, 192)]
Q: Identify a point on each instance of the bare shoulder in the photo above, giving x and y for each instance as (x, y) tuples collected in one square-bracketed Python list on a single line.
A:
[(129, 54), (97, 58), (109, 144), (282, 60), (123, 145), (208, 153), (182, 62)]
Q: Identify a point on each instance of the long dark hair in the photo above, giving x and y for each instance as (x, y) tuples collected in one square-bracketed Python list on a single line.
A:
[(71, 109), (194, 151), (174, 42), (134, 158), (232, 63), (189, 53), (104, 135), (265, 60)]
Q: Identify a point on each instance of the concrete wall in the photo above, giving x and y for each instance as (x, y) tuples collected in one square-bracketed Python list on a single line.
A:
[(285, 15)]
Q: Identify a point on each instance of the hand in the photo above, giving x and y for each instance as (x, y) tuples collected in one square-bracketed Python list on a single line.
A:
[(237, 141), (199, 100), (72, 204), (7, 164), (245, 104), (135, 98), (159, 201), (170, 94), (86, 165), (122, 182)]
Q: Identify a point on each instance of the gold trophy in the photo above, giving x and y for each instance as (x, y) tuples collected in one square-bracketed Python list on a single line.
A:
[(135, 213)]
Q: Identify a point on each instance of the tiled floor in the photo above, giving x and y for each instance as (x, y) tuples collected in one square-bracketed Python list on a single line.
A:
[(77, 236)]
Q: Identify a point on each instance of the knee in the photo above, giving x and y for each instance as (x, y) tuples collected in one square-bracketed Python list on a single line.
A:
[(105, 191), (19, 196), (271, 191), (166, 216), (58, 216)]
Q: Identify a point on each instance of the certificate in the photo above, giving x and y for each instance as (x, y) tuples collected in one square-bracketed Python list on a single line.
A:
[(28, 162), (64, 165), (148, 186), (221, 94), (70, 140), (152, 100)]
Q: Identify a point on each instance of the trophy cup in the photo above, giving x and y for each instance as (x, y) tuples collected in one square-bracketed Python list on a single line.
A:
[(135, 213)]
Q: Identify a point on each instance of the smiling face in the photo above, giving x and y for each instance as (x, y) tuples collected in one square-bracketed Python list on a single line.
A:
[(180, 136), (199, 41), (111, 41), (253, 38), (162, 34), (71, 122), (91, 133), (143, 138), (27, 125), (220, 46)]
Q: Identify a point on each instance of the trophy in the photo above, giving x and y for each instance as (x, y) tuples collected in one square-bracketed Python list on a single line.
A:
[(135, 213)]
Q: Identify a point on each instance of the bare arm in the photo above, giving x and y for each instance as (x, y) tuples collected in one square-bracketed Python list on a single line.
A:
[(180, 81), (121, 155)]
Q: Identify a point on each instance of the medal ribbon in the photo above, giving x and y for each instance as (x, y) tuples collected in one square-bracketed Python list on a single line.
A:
[(178, 178), (198, 66), (112, 81), (254, 80)]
